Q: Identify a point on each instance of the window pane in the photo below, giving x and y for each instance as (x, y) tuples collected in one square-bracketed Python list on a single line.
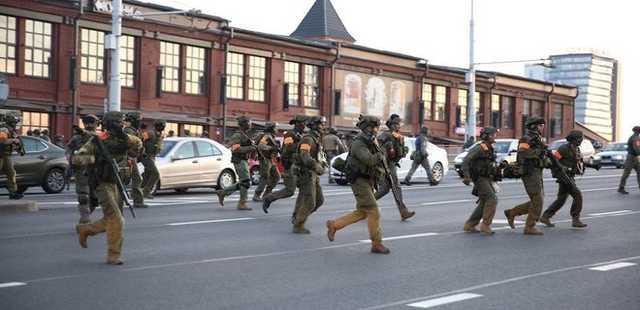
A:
[(311, 86), (440, 103), (235, 76), (462, 107), (34, 120), (170, 61), (507, 111), (292, 77), (127, 60), (257, 73), (7, 44), (557, 120), (196, 81), (427, 98), (92, 53)]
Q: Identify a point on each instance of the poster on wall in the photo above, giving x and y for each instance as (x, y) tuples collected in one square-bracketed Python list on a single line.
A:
[(372, 95)]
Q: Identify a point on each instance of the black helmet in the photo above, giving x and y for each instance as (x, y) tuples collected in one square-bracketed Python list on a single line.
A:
[(394, 119), (270, 127), (113, 120), (636, 129), (366, 121), (299, 119), (315, 120), (534, 121), (575, 135), (133, 118), (243, 121), (486, 132), (159, 124), (12, 120), (90, 119)]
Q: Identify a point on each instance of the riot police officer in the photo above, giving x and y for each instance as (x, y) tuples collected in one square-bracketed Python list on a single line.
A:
[(132, 127), (85, 180), (9, 141), (152, 141), (267, 150), (242, 147)]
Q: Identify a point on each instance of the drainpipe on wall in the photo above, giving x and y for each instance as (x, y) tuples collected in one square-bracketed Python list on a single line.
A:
[(333, 85), (74, 91), (223, 95), (553, 88)]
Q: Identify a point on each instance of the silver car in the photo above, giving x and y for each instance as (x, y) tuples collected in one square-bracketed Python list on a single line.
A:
[(614, 154), (188, 162)]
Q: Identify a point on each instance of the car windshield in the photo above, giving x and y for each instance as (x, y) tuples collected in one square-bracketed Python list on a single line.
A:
[(615, 147), (502, 147), (166, 147)]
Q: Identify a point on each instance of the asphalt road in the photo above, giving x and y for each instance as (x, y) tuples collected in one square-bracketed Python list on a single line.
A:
[(186, 252)]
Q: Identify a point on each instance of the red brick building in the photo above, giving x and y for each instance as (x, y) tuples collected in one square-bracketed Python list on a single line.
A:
[(174, 67)]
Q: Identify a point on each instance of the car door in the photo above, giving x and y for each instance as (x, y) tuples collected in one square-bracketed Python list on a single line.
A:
[(209, 162), (181, 170), (406, 162), (29, 167)]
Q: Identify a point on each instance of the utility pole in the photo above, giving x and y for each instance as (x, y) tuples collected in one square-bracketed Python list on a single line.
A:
[(470, 131), (114, 46)]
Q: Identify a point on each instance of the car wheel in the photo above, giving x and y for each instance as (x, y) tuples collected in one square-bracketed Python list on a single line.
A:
[(22, 189), (226, 179), (53, 181), (181, 190), (437, 173), (255, 176), (342, 182)]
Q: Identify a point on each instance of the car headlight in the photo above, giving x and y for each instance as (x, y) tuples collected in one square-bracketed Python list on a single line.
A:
[(618, 157), (596, 157)]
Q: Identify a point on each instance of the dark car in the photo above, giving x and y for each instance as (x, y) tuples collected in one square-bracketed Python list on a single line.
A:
[(44, 164)]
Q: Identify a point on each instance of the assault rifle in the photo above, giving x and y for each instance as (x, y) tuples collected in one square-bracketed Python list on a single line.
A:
[(113, 164), (559, 171), (395, 188)]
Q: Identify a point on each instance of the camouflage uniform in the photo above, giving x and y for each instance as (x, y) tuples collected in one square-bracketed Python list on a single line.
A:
[(392, 143), (267, 152), (531, 159), (363, 170), (241, 148), (152, 141), (289, 159), (633, 160), (420, 157), (85, 184), (120, 146), (136, 179), (8, 142)]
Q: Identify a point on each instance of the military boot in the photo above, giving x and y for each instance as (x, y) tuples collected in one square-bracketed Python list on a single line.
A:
[(532, 230), (405, 214), (15, 196), (486, 229), (83, 231), (299, 229), (378, 248), (242, 205), (331, 230), (546, 221), (221, 195), (510, 218), (577, 223), (468, 228), (621, 190), (114, 260)]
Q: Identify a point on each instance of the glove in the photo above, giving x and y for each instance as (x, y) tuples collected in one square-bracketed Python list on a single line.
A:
[(466, 181)]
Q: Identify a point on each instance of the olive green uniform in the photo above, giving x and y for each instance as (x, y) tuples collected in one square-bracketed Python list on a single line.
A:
[(112, 222), (7, 136), (269, 174), (633, 160), (310, 163), (152, 142), (289, 157), (392, 144), (570, 157), (241, 148), (479, 166), (136, 178), (84, 180)]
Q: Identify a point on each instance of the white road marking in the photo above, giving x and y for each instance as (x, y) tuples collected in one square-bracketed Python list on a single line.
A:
[(610, 213), (212, 221), (443, 300), (613, 266), (445, 202), (501, 221), (403, 237), (11, 284)]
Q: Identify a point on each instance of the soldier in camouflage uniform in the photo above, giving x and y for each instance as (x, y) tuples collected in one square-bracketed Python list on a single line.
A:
[(392, 143), (532, 161), (132, 127), (9, 141), (152, 142), (363, 170), (267, 152), (241, 149), (289, 159), (120, 146), (85, 185), (311, 162), (569, 157), (480, 167), (633, 160)]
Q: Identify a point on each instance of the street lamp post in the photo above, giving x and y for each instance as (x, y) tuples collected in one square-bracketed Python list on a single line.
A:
[(470, 131)]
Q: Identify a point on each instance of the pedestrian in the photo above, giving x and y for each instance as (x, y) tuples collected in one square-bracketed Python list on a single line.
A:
[(480, 167), (363, 170), (392, 143), (532, 161), (420, 157), (84, 178), (267, 150), (115, 144), (187, 133), (37, 134), (633, 160), (333, 146), (132, 122), (570, 157), (29, 133), (171, 134), (312, 162), (289, 157), (45, 135), (242, 148), (152, 142), (9, 142)]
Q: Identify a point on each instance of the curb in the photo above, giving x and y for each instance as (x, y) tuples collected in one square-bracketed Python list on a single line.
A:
[(18, 206)]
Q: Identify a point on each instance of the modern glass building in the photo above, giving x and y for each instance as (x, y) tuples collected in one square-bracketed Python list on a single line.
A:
[(597, 80)]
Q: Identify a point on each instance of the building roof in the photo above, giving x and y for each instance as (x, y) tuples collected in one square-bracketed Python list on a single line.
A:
[(322, 22)]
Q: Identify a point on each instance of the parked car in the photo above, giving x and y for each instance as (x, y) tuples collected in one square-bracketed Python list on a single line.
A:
[(506, 152), (614, 154), (44, 164), (187, 162), (586, 148), (437, 159)]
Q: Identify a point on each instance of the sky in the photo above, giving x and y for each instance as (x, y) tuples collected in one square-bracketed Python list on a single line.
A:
[(438, 30)]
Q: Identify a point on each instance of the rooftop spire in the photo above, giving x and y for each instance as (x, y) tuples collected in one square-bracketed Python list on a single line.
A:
[(323, 23)]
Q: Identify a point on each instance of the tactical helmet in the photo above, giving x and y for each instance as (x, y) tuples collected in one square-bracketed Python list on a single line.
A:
[(112, 120), (366, 121), (270, 127), (424, 130), (299, 119), (394, 119), (575, 135), (12, 120), (133, 118), (333, 131), (90, 119), (314, 120), (486, 132), (159, 124), (534, 121), (243, 120), (636, 129)]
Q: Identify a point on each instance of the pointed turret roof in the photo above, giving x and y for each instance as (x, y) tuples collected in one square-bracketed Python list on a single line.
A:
[(322, 23)]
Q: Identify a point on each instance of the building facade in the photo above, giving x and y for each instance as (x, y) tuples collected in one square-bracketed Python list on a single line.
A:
[(198, 73), (597, 80)]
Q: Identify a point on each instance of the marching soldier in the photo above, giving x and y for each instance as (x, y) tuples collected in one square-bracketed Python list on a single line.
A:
[(111, 143), (242, 148), (392, 143), (420, 157), (333, 146), (363, 170), (479, 166), (85, 181), (267, 152), (633, 160), (531, 158), (312, 162), (289, 159), (9, 140), (570, 157), (152, 141), (132, 127)]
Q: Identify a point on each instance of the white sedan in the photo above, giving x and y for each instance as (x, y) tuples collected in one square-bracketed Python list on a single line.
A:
[(188, 162), (437, 160)]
